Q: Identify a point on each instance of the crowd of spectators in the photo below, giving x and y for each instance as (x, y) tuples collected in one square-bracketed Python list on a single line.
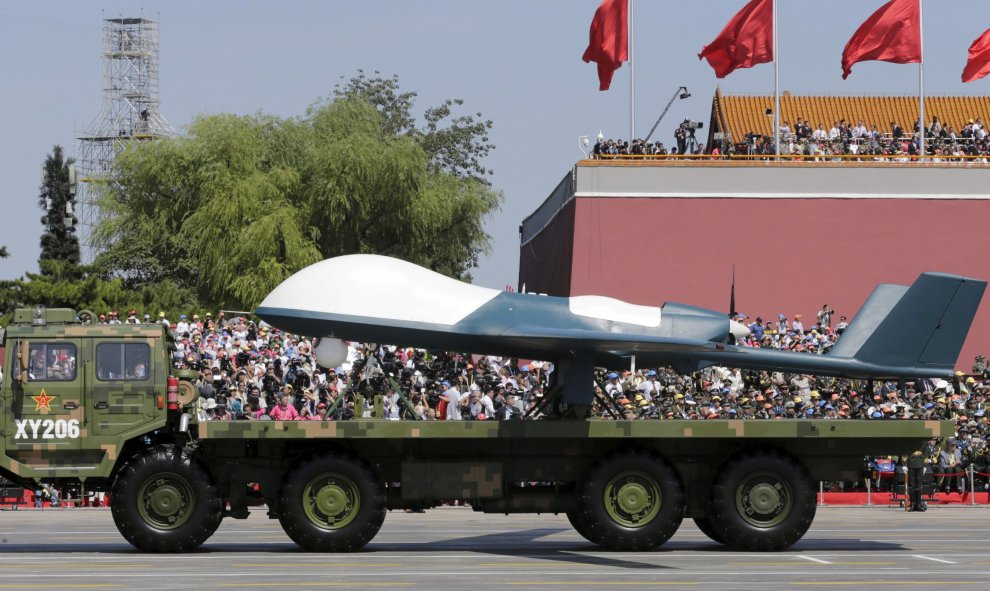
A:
[(845, 138), (251, 371), (842, 140)]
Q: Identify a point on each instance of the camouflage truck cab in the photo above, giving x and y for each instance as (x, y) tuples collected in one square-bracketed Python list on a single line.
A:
[(75, 395)]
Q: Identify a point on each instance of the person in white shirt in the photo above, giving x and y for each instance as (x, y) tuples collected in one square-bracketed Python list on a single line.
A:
[(487, 406), (181, 327), (453, 396), (859, 132), (835, 132), (820, 135), (650, 388), (613, 388), (797, 326)]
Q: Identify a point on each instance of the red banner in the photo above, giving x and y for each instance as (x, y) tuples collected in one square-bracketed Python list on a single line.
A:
[(978, 64), (891, 34), (746, 41), (608, 43)]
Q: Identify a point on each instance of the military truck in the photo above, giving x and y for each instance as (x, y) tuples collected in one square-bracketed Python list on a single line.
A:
[(100, 406)]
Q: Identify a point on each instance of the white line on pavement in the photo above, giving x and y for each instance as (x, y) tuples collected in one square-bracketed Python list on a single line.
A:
[(813, 559), (933, 559)]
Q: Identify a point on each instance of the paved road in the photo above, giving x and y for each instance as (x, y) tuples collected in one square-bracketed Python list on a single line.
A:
[(455, 548)]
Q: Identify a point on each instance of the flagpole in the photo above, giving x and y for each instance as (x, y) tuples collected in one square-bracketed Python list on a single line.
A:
[(921, 76), (632, 80), (776, 86)]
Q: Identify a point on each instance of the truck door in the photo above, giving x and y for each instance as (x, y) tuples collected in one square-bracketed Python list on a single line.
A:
[(122, 395), (46, 406)]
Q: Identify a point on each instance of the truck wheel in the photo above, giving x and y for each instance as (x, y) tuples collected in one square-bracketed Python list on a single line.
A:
[(332, 504), (708, 528), (163, 501), (631, 502), (579, 526), (762, 502)]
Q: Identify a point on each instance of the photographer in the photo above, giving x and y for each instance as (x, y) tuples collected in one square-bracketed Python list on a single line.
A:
[(680, 137), (825, 316)]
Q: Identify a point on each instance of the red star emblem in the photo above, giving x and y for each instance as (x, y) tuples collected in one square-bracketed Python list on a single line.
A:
[(43, 401)]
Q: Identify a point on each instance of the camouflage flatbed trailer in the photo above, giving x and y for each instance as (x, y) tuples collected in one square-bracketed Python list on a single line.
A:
[(99, 405), (623, 484)]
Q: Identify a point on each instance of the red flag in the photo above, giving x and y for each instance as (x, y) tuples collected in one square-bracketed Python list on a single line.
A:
[(978, 65), (608, 40), (746, 41), (891, 34)]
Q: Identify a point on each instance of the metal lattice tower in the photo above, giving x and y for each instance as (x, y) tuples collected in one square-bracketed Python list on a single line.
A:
[(129, 112)]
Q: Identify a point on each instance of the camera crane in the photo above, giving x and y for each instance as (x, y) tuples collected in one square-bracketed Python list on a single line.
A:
[(682, 93)]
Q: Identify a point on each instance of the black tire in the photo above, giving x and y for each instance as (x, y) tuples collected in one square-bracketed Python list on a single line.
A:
[(579, 526), (332, 504), (630, 502), (762, 501), (708, 528), (164, 501)]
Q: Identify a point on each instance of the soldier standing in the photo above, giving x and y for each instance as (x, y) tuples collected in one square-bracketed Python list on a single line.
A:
[(916, 481)]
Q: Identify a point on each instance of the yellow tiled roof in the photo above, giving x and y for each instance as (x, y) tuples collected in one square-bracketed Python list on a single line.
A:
[(740, 115)]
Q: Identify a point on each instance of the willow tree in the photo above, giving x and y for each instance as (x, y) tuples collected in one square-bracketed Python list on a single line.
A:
[(241, 202)]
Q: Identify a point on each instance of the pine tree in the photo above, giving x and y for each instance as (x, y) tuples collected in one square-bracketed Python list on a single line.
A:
[(59, 241)]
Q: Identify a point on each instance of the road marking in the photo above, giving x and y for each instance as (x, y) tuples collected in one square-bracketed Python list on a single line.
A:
[(601, 583), (823, 562), (74, 565), (898, 583), (317, 584), (86, 538), (311, 564), (932, 559), (813, 559), (44, 586)]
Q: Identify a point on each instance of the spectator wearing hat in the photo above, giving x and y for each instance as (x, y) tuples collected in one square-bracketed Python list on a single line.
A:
[(207, 409), (950, 462), (181, 327), (649, 388), (613, 388), (283, 410), (797, 326), (132, 318)]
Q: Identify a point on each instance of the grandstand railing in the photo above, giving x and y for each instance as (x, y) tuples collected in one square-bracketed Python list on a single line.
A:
[(789, 159)]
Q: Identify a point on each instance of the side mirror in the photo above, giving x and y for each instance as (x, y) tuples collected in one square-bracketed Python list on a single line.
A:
[(22, 360)]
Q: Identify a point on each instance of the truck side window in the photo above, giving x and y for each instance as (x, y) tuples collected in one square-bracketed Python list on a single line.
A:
[(50, 362), (123, 361)]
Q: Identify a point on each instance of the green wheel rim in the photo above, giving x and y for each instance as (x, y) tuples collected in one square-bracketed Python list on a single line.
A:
[(166, 501), (331, 500), (632, 498), (764, 500)]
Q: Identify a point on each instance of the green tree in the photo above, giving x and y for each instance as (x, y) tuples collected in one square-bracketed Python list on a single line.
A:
[(241, 202), (59, 241), (457, 144)]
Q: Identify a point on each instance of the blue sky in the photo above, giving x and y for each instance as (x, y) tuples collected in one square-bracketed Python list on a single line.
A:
[(516, 61)]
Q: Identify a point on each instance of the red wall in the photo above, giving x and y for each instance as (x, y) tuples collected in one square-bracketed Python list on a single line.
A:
[(791, 255)]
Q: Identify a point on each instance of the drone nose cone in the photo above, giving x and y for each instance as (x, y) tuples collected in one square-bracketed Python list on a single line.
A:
[(738, 330)]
